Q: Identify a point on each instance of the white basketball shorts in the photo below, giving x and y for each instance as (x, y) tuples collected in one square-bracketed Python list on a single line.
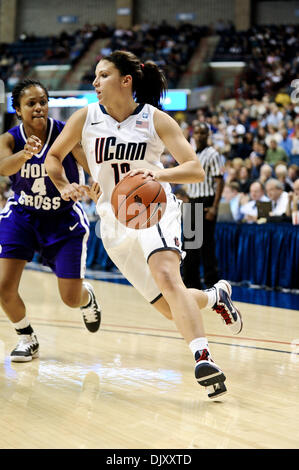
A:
[(130, 249)]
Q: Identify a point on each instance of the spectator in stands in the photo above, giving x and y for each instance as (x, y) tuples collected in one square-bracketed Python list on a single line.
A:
[(231, 193), (286, 143), (293, 174), (275, 154), (281, 173), (231, 174), (235, 129), (244, 179), (275, 117), (272, 134), (261, 133), (257, 161), (245, 146), (293, 126), (249, 210), (266, 173), (278, 197), (235, 146)]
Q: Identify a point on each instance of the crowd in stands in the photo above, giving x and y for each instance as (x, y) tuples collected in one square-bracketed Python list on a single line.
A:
[(259, 145), (271, 54), (18, 58), (171, 47), (257, 137)]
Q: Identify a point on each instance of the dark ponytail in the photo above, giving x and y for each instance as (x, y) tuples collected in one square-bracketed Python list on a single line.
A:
[(149, 81)]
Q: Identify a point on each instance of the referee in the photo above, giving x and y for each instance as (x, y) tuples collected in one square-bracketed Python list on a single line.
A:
[(209, 194)]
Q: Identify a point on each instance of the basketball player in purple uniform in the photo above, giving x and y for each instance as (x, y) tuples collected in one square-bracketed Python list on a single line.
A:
[(37, 219)]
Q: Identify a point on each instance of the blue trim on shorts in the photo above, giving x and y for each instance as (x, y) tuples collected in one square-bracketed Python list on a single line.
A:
[(161, 234), (166, 248)]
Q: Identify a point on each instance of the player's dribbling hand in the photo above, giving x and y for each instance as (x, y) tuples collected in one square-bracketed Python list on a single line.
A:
[(32, 147), (72, 191), (144, 172)]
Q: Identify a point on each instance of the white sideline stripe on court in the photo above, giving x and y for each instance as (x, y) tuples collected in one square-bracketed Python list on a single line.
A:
[(78, 208)]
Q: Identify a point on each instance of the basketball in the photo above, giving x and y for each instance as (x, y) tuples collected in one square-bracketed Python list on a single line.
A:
[(138, 202)]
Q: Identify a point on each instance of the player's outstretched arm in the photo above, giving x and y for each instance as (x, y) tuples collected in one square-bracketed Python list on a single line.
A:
[(80, 156), (67, 140), (189, 169), (11, 163)]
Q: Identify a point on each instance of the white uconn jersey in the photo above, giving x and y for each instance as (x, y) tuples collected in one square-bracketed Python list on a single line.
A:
[(113, 148)]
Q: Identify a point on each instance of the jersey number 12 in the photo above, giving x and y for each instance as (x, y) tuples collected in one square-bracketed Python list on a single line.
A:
[(119, 168)]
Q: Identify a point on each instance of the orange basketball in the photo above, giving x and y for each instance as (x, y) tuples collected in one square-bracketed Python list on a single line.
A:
[(138, 202)]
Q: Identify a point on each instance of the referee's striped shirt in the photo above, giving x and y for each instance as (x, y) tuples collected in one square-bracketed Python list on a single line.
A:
[(211, 163)]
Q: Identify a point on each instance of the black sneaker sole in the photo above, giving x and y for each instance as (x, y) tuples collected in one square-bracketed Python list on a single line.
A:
[(207, 374), (217, 390), (93, 327), (24, 358)]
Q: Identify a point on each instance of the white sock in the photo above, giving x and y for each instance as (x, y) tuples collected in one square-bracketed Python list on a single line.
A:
[(212, 297), (198, 344), (20, 325)]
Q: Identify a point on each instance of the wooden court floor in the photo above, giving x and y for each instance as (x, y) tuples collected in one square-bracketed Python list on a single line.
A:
[(131, 385)]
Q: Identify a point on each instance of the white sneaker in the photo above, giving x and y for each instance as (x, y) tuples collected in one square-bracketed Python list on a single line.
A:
[(92, 313), (225, 307), (26, 349)]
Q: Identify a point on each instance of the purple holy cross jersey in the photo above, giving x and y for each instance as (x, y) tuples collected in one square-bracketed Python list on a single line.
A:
[(31, 185), (60, 239)]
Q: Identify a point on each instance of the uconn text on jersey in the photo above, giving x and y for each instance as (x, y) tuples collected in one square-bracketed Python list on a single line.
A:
[(107, 149)]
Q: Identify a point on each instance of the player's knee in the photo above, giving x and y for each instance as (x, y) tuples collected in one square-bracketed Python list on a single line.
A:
[(166, 280), (6, 292), (71, 299)]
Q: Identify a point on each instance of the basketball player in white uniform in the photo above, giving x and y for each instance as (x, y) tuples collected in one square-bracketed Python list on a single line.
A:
[(125, 132)]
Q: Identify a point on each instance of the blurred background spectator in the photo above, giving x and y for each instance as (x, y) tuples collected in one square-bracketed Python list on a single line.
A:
[(231, 194), (278, 197), (249, 210)]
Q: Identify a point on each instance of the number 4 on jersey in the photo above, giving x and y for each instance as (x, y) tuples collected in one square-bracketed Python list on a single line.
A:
[(39, 186)]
